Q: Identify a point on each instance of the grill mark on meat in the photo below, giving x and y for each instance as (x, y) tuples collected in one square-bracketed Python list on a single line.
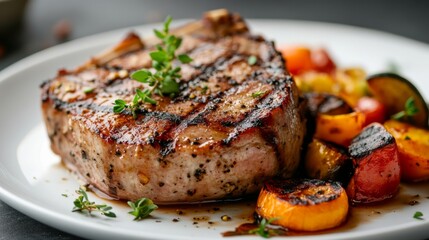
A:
[(79, 107), (208, 70), (253, 119)]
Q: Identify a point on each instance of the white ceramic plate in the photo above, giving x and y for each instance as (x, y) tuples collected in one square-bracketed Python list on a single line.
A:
[(32, 180)]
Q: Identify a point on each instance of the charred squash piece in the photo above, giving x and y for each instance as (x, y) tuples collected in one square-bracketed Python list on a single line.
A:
[(393, 91), (322, 103), (376, 163), (303, 204), (339, 129), (335, 120), (326, 103), (413, 148), (327, 161)]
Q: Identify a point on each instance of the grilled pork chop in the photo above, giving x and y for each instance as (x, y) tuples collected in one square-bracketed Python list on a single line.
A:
[(232, 126)]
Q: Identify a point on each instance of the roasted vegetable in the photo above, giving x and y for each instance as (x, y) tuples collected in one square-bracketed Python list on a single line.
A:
[(298, 59), (413, 148), (373, 109), (339, 129), (328, 162), (316, 82), (393, 91), (302, 59), (326, 103), (352, 85), (322, 61), (303, 205), (376, 163), (331, 118)]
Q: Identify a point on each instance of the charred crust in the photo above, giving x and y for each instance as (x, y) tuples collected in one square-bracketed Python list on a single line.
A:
[(373, 137), (304, 191), (167, 147), (255, 119)]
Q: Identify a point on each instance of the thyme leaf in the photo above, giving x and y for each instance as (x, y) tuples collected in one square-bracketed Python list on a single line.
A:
[(83, 204), (141, 208), (164, 80)]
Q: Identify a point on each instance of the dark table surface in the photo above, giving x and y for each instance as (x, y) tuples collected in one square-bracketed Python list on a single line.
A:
[(49, 22)]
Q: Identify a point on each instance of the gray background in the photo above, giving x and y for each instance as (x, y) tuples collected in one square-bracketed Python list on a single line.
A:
[(406, 18)]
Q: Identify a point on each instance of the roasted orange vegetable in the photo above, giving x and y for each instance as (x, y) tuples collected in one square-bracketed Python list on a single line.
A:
[(376, 163), (413, 148), (327, 162), (303, 205), (339, 129), (298, 59)]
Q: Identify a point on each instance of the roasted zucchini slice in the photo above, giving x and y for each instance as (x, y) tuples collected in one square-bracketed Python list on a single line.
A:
[(393, 91)]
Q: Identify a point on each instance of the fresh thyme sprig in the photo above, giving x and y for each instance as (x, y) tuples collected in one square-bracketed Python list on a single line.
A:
[(82, 204), (141, 208), (263, 230), (409, 110), (164, 80)]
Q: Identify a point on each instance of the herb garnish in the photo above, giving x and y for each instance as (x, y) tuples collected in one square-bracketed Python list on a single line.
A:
[(141, 208), (82, 204), (409, 110), (164, 80), (263, 231), (257, 94), (252, 60), (418, 215), (88, 90)]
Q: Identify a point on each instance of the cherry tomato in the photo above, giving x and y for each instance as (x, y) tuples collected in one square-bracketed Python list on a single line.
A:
[(298, 59), (322, 62), (373, 109), (301, 59)]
